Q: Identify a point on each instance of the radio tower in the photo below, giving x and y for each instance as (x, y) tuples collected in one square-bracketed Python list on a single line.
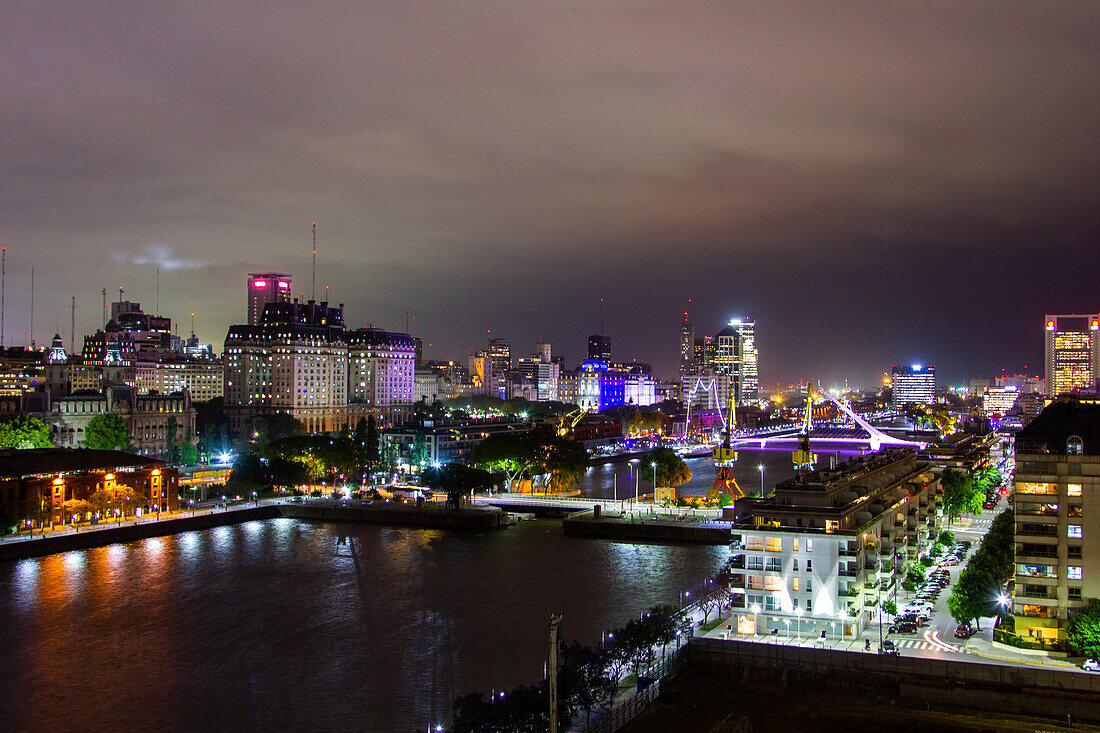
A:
[(3, 282), (313, 290)]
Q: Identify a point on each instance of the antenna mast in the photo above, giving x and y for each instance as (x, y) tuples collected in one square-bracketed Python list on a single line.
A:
[(32, 307), (72, 328), (3, 282), (313, 291), (104, 309), (158, 291)]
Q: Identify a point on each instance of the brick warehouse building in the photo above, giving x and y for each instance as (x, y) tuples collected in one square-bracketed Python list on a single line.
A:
[(42, 480)]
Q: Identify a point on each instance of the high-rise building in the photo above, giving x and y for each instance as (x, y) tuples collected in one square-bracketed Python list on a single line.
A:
[(500, 353), (913, 385), (264, 288), (381, 367), (1072, 353), (736, 356), (599, 347), (703, 355), (1057, 497), (687, 347), (294, 362)]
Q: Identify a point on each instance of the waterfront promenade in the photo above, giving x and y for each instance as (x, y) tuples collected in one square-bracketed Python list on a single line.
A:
[(430, 515)]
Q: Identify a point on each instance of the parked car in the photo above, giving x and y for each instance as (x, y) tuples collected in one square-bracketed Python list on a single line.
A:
[(1091, 665), (908, 618), (903, 627), (964, 631), (888, 647), (989, 505)]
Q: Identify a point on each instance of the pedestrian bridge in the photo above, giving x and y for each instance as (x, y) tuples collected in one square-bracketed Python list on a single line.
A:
[(550, 505)]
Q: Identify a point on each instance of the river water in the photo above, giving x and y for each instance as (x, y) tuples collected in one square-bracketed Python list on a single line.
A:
[(283, 624)]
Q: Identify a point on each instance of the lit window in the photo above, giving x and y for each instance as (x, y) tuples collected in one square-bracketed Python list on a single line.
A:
[(773, 583), (773, 544), (796, 544), (1075, 531), (809, 548), (1073, 490), (1075, 572), (794, 584)]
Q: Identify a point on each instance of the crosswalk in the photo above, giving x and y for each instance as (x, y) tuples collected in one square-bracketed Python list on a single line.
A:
[(901, 643)]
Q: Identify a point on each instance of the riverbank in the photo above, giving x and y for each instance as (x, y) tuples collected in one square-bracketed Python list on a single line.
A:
[(406, 515), (635, 526)]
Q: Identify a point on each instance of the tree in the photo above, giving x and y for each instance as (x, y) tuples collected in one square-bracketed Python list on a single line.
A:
[(458, 481), (960, 494), (947, 537), (671, 469), (1084, 628), (188, 451), (536, 452), (107, 432), (890, 607), (370, 444), (276, 425), (119, 497), (171, 449), (23, 432)]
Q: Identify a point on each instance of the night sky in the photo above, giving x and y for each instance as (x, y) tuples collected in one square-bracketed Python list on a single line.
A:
[(874, 183)]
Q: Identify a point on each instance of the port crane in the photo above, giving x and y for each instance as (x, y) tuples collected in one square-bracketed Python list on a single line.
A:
[(725, 457)]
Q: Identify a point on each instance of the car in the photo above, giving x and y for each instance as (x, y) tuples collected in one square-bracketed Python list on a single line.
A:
[(964, 631), (1091, 665), (888, 647), (903, 627), (965, 543), (988, 505), (908, 618), (918, 607)]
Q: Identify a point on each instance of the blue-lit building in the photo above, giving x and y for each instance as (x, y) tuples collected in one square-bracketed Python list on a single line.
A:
[(600, 386)]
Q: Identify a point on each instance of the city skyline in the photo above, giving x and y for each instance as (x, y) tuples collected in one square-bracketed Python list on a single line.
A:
[(507, 168)]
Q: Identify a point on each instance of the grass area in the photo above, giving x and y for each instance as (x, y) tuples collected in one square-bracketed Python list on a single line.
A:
[(711, 626)]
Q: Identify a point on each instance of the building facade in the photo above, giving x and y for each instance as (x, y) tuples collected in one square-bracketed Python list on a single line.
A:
[(264, 288), (819, 555), (914, 384), (1071, 353), (381, 367), (148, 418), (735, 355), (294, 362), (1057, 503)]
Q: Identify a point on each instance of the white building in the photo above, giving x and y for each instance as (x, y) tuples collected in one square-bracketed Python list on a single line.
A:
[(913, 385), (381, 367), (820, 554)]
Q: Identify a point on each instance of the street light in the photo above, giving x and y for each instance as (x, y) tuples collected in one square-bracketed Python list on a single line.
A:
[(755, 612), (761, 467), (798, 612), (788, 622)]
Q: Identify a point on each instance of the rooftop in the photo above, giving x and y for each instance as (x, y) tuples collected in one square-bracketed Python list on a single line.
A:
[(39, 461)]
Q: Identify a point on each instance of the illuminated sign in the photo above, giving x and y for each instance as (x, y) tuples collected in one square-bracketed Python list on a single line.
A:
[(283, 285), (259, 283), (1050, 325), (916, 367)]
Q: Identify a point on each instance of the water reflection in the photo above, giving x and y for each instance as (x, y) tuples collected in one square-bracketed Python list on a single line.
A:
[(280, 620)]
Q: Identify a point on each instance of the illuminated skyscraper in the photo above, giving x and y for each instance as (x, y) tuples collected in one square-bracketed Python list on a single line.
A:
[(913, 385), (264, 288), (687, 347), (736, 356), (1072, 353)]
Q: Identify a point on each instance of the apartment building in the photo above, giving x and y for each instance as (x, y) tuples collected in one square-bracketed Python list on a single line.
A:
[(820, 554), (1057, 503)]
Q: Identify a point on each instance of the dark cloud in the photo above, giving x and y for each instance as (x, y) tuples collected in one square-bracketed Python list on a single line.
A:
[(874, 183)]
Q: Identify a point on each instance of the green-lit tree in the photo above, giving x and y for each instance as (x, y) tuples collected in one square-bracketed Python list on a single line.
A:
[(960, 494), (1084, 628), (24, 431), (671, 468), (107, 432)]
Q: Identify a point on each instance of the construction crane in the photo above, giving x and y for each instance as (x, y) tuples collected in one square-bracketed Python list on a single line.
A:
[(567, 422), (804, 459), (725, 457)]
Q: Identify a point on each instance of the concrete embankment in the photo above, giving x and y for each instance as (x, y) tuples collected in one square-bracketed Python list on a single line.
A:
[(754, 685), (639, 528), (399, 515), (403, 515)]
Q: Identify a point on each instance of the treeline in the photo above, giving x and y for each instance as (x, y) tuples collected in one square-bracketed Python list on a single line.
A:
[(981, 582), (588, 679)]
